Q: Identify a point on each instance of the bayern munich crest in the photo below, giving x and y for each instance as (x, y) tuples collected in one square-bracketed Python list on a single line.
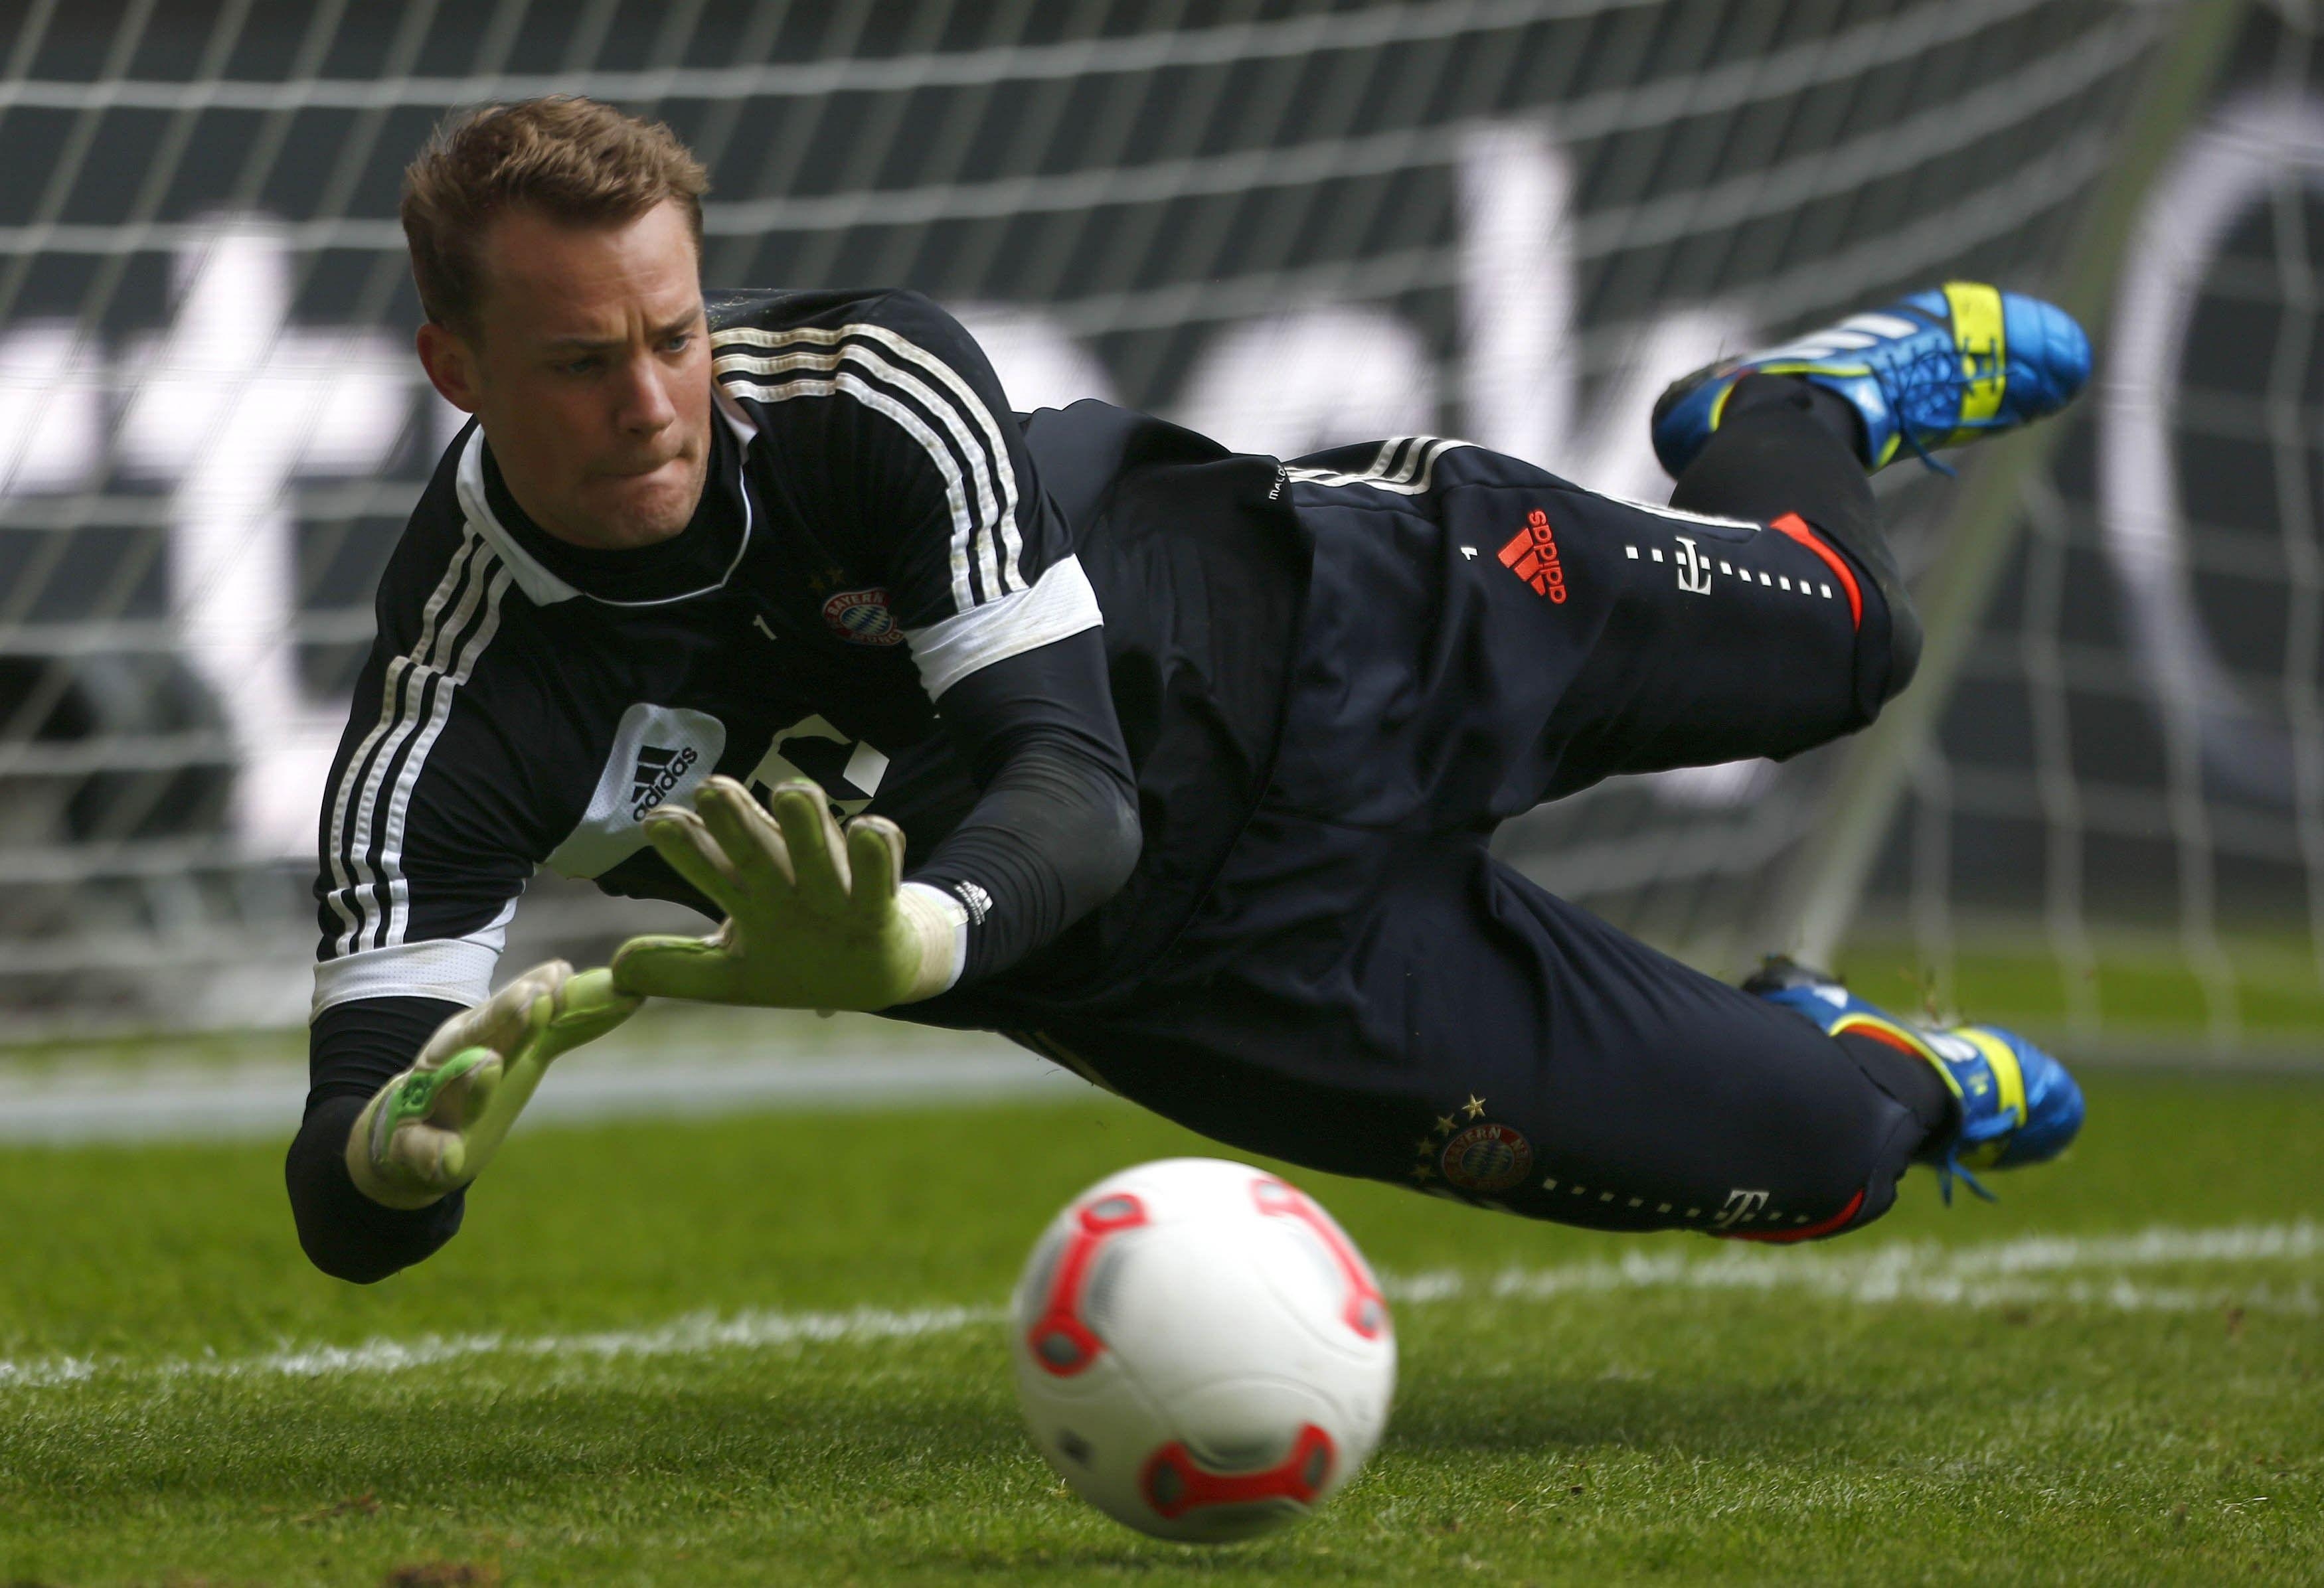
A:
[(860, 617), (1470, 1154), (1486, 1159)]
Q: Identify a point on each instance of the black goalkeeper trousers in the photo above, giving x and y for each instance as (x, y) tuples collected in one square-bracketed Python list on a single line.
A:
[(1366, 990)]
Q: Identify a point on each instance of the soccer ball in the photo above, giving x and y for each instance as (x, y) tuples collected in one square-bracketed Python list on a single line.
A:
[(1200, 1351)]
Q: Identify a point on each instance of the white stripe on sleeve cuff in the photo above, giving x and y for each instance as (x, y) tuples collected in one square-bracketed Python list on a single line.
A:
[(1060, 603), (458, 971)]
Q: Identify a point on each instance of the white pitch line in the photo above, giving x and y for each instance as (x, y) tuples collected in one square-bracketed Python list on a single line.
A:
[(695, 1335), (180, 1102), (1918, 1271)]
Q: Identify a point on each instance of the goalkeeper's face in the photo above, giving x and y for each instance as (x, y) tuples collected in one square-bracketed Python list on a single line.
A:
[(589, 368)]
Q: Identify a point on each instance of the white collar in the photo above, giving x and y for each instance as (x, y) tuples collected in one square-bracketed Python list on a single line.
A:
[(543, 587)]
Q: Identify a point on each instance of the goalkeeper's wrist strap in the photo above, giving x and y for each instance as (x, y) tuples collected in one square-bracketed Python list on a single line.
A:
[(941, 922)]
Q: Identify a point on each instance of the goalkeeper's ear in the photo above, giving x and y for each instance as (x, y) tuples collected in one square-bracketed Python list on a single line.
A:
[(450, 364)]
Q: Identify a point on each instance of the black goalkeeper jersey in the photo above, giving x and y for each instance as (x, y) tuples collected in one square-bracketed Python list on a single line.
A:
[(878, 527)]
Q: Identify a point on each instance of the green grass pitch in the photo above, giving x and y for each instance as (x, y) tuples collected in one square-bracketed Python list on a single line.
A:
[(764, 1351)]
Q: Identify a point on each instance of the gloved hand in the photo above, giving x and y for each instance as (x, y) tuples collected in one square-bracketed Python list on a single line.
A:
[(816, 919), (432, 1129)]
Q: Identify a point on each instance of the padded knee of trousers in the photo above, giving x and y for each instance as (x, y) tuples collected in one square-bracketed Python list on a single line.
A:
[(1903, 645)]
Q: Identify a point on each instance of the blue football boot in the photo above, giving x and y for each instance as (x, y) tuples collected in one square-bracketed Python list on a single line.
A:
[(2016, 1104), (1935, 370)]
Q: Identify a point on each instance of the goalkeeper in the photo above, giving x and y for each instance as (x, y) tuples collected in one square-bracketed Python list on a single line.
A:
[(1198, 753)]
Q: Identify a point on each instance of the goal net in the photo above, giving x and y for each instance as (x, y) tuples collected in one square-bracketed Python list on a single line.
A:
[(1287, 222), (2119, 824)]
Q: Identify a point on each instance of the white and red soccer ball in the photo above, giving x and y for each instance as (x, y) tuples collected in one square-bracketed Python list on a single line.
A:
[(1201, 1353)]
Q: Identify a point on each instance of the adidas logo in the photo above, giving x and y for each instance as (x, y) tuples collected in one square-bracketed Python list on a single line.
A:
[(658, 772)]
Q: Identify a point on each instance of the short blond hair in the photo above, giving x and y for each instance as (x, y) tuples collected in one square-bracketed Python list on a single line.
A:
[(573, 160)]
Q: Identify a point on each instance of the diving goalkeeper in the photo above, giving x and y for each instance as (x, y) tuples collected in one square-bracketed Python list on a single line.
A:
[(1175, 765)]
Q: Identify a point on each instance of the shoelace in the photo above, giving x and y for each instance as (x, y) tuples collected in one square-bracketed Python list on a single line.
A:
[(1933, 374), (1949, 1168)]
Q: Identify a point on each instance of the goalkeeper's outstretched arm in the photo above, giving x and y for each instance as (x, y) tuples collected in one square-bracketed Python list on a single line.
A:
[(410, 1098), (821, 919)]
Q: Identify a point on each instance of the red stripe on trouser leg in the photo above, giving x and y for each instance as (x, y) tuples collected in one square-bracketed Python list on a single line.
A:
[(1792, 524), (1805, 1232), (1883, 1036)]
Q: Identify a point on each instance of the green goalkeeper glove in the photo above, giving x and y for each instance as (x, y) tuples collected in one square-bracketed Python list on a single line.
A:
[(816, 918), (432, 1129)]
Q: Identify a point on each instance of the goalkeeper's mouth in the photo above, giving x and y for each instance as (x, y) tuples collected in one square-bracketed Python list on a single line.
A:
[(647, 504), (624, 476), (679, 474)]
